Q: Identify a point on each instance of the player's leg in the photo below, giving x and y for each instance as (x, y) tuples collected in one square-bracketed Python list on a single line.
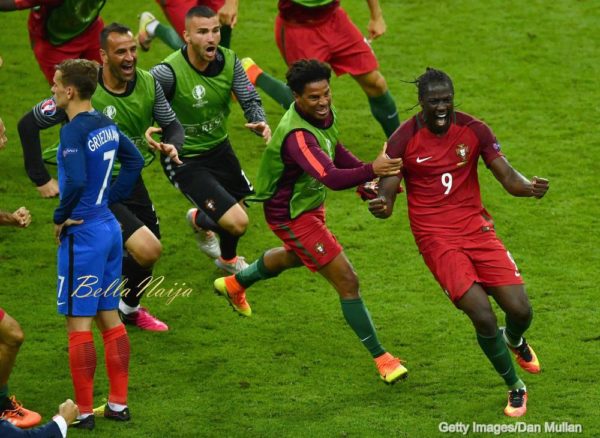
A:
[(11, 338), (381, 101), (501, 278), (114, 335), (149, 28), (88, 43), (351, 53), (141, 236), (340, 274), (456, 273)]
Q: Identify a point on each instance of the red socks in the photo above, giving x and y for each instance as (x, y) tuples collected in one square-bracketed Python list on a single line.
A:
[(116, 354), (82, 361)]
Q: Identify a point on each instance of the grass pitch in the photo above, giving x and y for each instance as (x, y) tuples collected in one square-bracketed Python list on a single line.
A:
[(529, 69)]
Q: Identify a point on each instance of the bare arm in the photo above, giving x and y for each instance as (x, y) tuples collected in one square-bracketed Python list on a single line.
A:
[(376, 26), (515, 183), (383, 206)]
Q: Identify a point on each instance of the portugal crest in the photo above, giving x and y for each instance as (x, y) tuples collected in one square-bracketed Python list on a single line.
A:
[(462, 152), (320, 248)]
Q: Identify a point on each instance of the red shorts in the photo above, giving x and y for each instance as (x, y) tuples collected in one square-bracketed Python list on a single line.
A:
[(309, 238), (86, 45), (175, 10), (336, 41), (457, 264), (2, 313)]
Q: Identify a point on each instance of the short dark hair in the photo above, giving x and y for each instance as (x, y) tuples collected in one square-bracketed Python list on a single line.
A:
[(432, 76), (81, 74), (112, 28), (200, 11), (304, 72)]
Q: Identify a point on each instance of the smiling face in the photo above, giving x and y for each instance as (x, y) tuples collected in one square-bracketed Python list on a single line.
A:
[(120, 56), (315, 100), (437, 104), (202, 35)]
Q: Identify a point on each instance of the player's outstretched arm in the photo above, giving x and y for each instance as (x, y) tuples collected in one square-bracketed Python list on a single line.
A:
[(515, 183)]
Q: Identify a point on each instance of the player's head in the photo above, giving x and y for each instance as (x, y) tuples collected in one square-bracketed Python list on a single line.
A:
[(118, 52), (309, 81), (202, 33), (74, 79), (436, 98)]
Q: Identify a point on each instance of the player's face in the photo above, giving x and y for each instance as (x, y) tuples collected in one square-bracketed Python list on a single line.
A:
[(315, 100), (59, 91), (438, 106), (203, 35), (120, 56)]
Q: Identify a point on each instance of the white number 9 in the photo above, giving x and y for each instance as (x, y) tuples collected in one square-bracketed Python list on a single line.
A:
[(447, 182)]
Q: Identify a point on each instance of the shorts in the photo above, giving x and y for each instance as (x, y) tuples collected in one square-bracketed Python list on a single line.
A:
[(137, 211), (2, 313), (89, 269), (309, 238), (86, 46), (458, 263), (336, 41), (213, 181), (175, 10)]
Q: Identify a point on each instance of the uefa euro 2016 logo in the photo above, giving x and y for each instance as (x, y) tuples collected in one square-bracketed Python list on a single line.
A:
[(110, 112), (198, 93)]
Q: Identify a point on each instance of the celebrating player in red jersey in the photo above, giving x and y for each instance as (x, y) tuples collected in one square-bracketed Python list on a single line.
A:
[(61, 29), (455, 234)]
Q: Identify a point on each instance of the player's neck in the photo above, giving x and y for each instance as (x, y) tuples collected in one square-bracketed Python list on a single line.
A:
[(76, 107), (112, 84)]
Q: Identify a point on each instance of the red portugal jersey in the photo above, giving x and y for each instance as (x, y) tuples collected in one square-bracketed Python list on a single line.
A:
[(440, 174)]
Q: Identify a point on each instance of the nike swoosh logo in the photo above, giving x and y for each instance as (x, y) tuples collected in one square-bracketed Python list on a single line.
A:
[(60, 303), (420, 160)]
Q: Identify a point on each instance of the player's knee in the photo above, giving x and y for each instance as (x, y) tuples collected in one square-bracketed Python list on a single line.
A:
[(485, 323), (348, 285), (375, 85), (238, 227), (148, 253), (15, 336), (523, 314)]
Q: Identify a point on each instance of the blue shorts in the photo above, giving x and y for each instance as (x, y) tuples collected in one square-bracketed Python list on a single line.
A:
[(89, 268)]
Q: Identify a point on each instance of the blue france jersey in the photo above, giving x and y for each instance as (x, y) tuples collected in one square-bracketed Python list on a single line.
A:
[(89, 145)]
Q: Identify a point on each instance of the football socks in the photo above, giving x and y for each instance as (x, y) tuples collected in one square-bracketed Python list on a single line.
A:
[(385, 112), (497, 352), (169, 36), (514, 329), (255, 272), (277, 90), (136, 277), (358, 318), (82, 361), (116, 354)]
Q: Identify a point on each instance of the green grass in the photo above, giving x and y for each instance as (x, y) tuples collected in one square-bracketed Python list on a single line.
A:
[(529, 69)]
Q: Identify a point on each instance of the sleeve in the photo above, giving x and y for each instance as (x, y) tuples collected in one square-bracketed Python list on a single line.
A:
[(74, 174), (44, 115), (303, 148), (488, 145), (344, 159), (62, 425), (166, 118), (165, 77), (132, 164), (246, 95), (48, 430)]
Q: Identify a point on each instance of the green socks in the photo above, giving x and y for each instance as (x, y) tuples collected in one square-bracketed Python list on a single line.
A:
[(168, 35), (385, 112), (3, 396), (514, 330), (497, 352), (357, 316), (277, 90), (255, 272), (225, 36)]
